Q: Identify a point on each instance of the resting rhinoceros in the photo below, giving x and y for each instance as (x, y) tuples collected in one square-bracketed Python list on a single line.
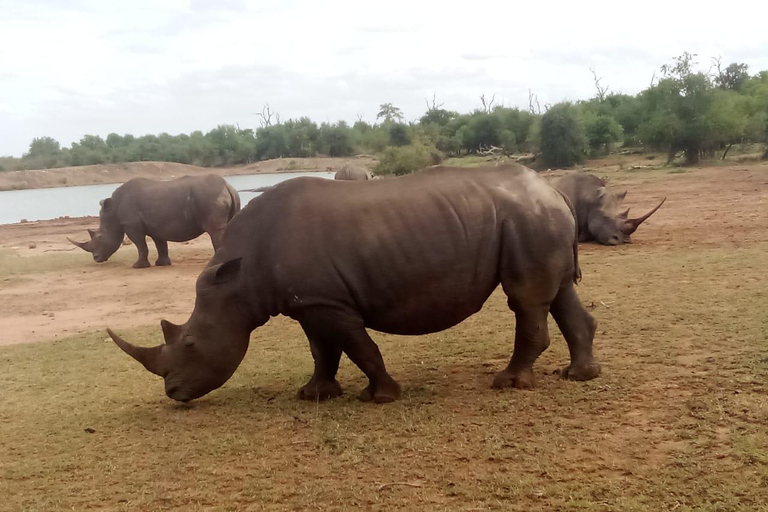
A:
[(352, 173), (176, 211), (597, 210), (410, 255)]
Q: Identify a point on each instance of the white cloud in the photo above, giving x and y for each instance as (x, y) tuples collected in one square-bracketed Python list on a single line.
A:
[(150, 66)]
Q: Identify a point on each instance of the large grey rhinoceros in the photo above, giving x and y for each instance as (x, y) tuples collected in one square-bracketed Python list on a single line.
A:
[(352, 173), (176, 211), (410, 255), (597, 209)]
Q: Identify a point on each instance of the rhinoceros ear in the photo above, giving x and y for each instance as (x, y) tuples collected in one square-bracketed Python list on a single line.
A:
[(621, 195), (92, 233), (227, 271), (171, 331), (601, 192), (106, 204)]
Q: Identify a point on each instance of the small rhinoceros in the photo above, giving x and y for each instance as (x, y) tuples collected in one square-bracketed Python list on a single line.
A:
[(597, 210), (416, 255), (352, 173), (177, 211)]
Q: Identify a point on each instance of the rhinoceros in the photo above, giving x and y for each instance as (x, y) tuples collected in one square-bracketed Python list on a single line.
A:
[(352, 173), (176, 211), (409, 256), (597, 210)]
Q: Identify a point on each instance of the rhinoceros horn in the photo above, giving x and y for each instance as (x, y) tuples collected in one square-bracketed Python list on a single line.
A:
[(86, 246), (92, 233), (150, 357), (631, 225)]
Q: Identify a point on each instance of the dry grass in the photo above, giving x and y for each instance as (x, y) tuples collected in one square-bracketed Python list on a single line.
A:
[(677, 420)]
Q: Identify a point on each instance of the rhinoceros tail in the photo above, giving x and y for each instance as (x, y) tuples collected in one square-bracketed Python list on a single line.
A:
[(576, 267), (234, 204)]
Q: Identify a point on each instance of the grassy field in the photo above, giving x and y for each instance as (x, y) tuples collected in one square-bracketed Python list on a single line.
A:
[(677, 421)]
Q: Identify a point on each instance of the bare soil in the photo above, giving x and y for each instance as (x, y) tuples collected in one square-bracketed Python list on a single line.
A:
[(119, 173), (677, 420)]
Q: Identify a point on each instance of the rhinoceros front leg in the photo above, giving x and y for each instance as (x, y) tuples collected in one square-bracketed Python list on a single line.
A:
[(531, 339), (323, 384), (578, 328), (346, 330), (139, 240), (162, 253)]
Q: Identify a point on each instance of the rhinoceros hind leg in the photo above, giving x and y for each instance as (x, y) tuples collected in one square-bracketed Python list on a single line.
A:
[(162, 253), (346, 330), (323, 384), (531, 339), (578, 328)]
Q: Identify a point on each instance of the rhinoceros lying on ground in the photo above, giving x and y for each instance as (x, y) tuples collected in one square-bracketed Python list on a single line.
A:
[(597, 210), (352, 173), (410, 255), (175, 211)]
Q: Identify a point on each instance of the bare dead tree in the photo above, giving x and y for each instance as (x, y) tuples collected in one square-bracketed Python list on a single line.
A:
[(601, 91), (359, 118), (434, 105), (487, 105), (716, 65), (653, 78), (266, 116), (533, 103)]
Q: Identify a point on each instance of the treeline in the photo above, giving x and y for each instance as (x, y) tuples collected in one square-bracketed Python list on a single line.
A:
[(684, 113)]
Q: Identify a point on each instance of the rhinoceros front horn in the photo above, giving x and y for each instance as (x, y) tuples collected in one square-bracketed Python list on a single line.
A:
[(86, 246), (631, 225), (150, 357)]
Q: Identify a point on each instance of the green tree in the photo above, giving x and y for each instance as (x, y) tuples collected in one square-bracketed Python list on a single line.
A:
[(562, 138), (601, 131), (389, 113)]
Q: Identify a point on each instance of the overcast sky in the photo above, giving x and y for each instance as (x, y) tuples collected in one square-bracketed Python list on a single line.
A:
[(70, 68)]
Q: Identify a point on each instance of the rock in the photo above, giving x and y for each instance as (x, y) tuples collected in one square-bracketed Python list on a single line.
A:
[(89, 430), (32, 245)]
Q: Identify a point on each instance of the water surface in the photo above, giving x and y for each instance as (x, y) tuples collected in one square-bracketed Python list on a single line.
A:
[(50, 203)]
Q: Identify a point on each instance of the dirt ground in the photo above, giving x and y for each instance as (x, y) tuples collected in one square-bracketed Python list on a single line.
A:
[(723, 206), (677, 421), (119, 173)]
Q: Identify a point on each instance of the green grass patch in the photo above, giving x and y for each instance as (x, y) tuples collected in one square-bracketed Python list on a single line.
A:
[(676, 421)]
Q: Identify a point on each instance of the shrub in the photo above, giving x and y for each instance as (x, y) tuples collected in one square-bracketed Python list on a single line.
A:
[(406, 159), (562, 139)]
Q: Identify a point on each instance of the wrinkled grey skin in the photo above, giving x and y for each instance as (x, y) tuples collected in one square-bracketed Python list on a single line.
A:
[(352, 173), (417, 254), (166, 211), (597, 210)]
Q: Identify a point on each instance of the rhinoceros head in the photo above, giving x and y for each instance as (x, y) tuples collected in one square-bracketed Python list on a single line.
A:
[(107, 239), (202, 354), (607, 225)]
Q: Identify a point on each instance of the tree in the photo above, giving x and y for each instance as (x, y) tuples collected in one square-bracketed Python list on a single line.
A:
[(43, 147), (733, 77), (685, 113), (389, 113), (398, 135), (601, 131), (563, 142)]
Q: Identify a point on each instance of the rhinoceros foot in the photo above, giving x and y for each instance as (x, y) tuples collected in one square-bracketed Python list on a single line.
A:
[(163, 262), (581, 372), (520, 379), (320, 390), (382, 393), (141, 264)]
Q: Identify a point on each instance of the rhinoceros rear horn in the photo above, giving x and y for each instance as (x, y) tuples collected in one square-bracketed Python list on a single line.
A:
[(631, 225), (150, 357), (86, 246), (92, 233)]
